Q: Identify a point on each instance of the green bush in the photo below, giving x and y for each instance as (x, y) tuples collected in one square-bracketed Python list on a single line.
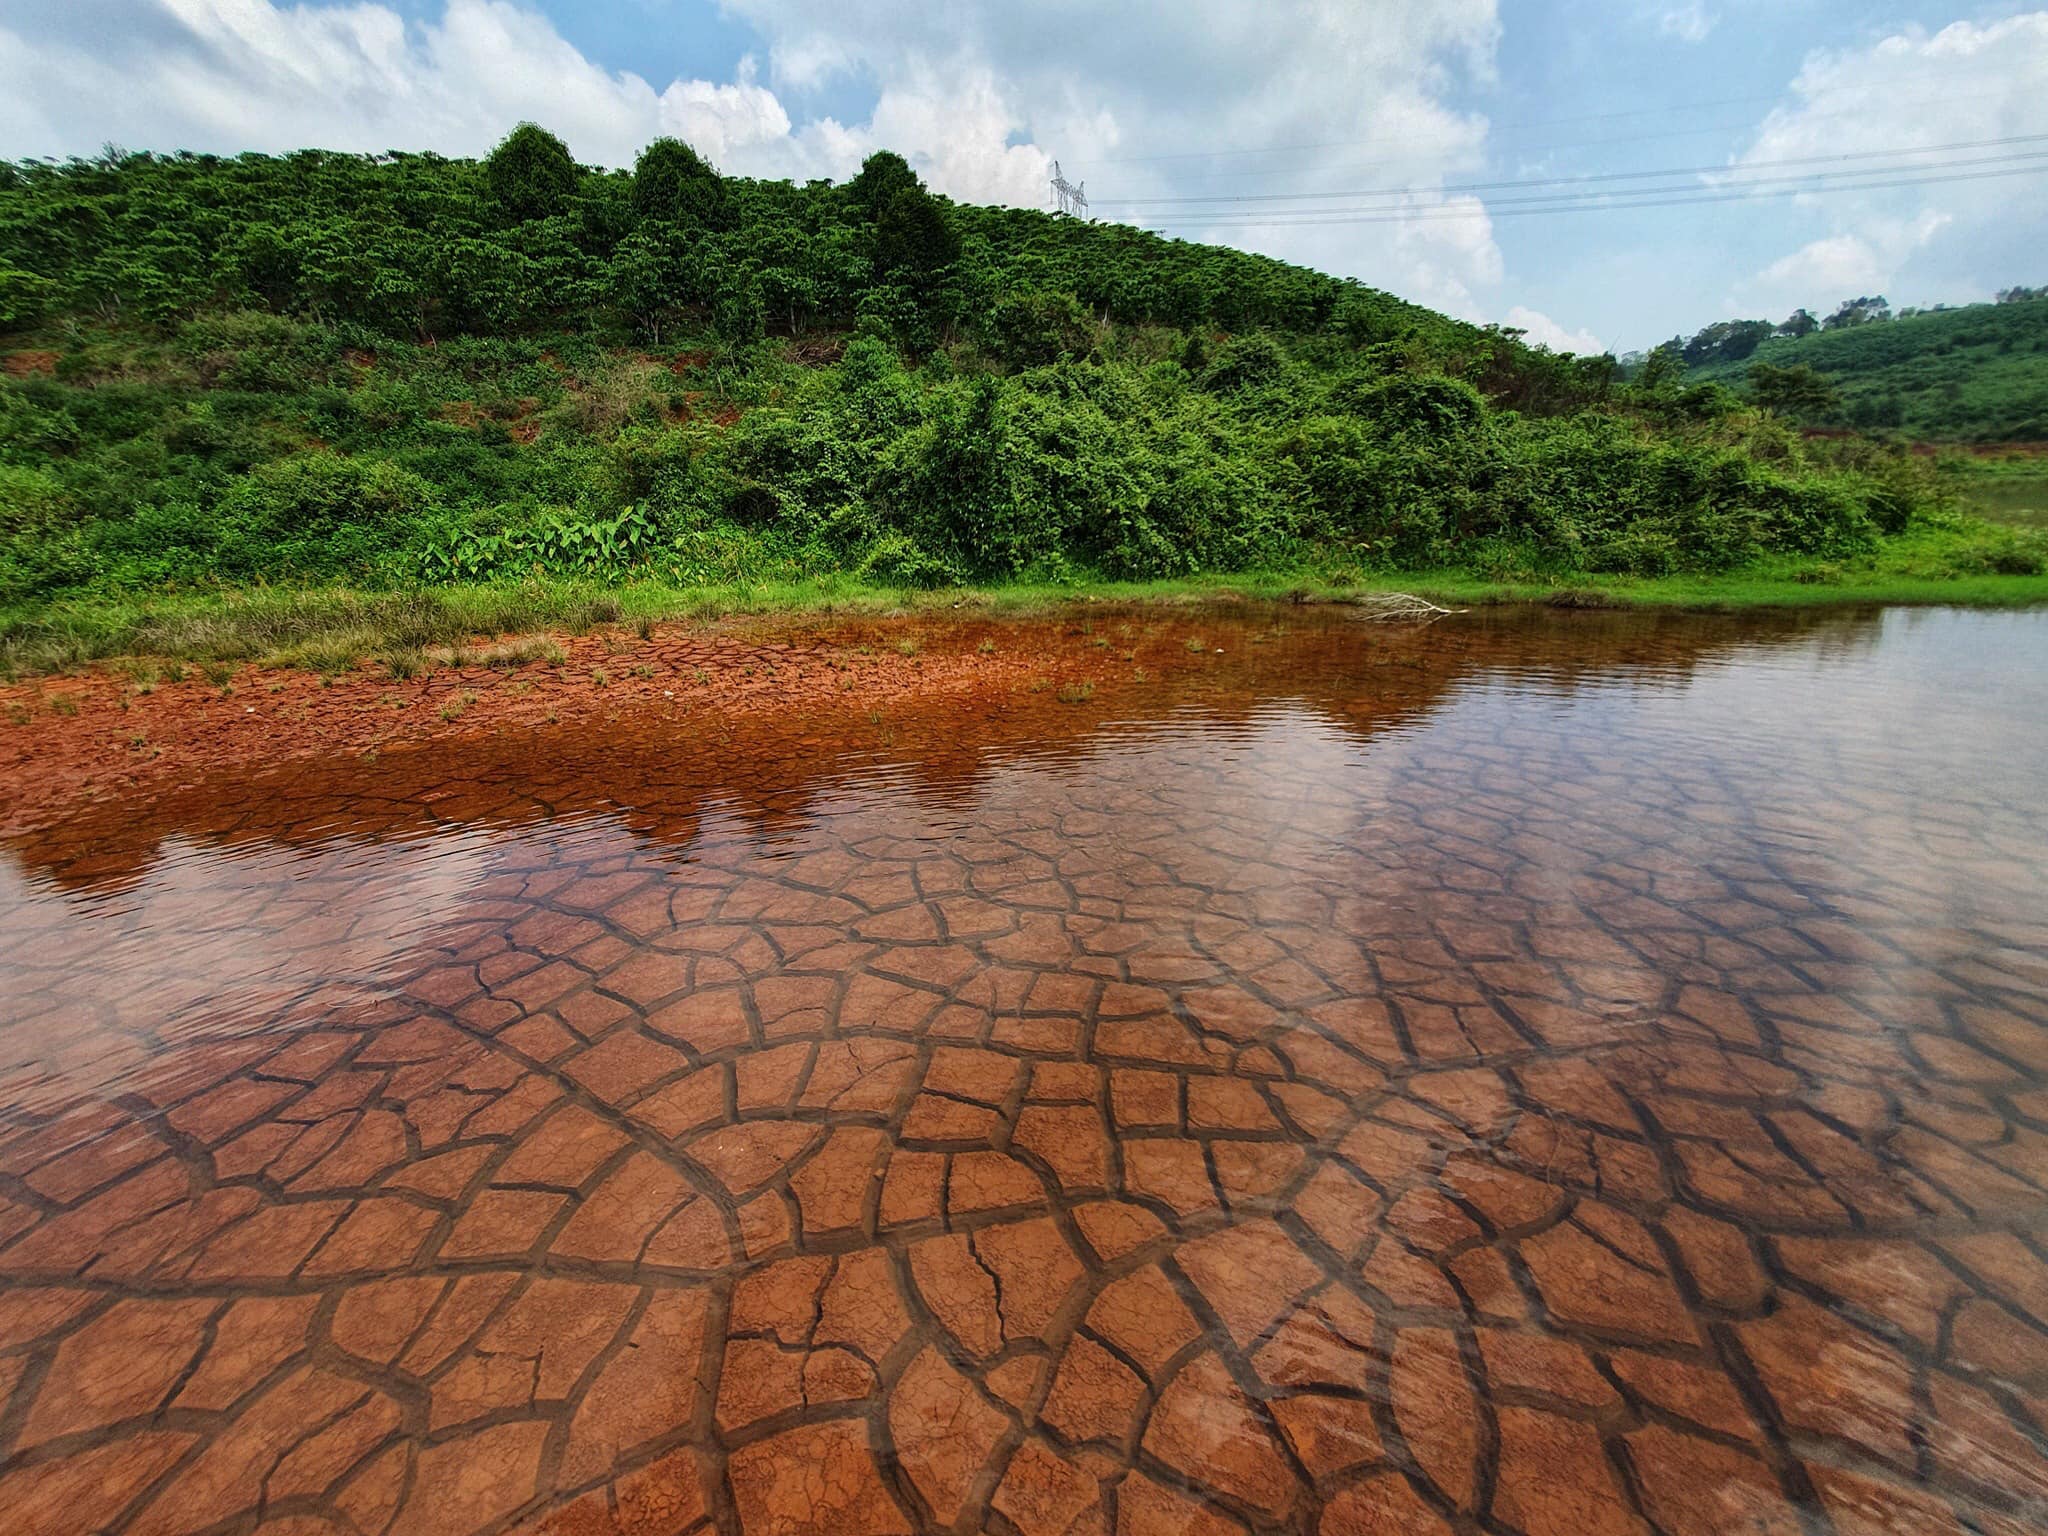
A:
[(318, 514), (1026, 330), (321, 366)]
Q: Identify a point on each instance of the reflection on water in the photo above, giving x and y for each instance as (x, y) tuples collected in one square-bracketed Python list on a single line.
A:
[(1554, 1073)]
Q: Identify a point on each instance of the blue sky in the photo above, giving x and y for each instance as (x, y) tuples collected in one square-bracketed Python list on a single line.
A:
[(1329, 109)]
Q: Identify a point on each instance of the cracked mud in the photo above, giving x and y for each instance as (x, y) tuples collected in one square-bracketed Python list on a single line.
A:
[(1541, 1075)]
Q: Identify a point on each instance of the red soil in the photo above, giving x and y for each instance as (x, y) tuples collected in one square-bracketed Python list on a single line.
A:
[(93, 735)]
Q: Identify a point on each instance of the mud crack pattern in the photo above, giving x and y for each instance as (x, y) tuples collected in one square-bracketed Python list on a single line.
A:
[(1529, 1121)]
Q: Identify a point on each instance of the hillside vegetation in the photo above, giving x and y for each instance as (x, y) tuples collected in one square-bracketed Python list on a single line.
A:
[(1977, 374), (403, 371)]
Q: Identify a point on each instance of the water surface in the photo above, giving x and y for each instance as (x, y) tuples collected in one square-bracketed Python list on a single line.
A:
[(1557, 1073)]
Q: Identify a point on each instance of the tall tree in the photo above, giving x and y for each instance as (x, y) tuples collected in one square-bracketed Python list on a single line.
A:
[(672, 183), (1868, 310), (531, 173), (882, 175), (912, 238)]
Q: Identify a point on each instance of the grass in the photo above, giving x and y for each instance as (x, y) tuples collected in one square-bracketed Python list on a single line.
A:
[(521, 653), (330, 629), (405, 661)]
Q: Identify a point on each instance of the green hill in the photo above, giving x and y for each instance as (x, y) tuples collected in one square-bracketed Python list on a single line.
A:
[(1975, 374), (402, 370)]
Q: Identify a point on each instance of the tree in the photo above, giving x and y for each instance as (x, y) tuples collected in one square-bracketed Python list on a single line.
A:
[(674, 184), (266, 261), (649, 282), (1868, 310), (1797, 392), (2018, 295), (1726, 341), (23, 296), (1662, 369), (1799, 323), (531, 173), (882, 175), (737, 309), (912, 238)]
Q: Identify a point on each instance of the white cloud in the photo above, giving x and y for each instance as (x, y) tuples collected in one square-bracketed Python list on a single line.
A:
[(723, 122), (230, 75), (1133, 97), (1689, 23), (1967, 83), (981, 96), (1543, 331), (1846, 265)]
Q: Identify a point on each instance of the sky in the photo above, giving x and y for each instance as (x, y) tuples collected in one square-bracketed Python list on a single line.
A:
[(1439, 149)]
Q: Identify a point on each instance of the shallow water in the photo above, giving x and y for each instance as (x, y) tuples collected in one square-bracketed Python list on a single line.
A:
[(1536, 1073)]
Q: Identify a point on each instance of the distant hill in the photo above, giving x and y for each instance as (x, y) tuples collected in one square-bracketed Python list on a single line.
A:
[(1975, 374)]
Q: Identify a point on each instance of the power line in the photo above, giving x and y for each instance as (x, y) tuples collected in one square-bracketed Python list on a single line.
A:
[(1679, 199), (1601, 203), (1600, 177), (1665, 110), (1267, 172)]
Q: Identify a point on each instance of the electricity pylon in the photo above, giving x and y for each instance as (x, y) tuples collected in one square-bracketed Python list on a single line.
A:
[(1071, 199)]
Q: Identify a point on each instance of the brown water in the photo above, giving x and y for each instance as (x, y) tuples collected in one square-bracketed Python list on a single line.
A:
[(1534, 1074)]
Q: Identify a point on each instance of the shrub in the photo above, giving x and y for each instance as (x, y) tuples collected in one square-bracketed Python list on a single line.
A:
[(1026, 330), (895, 560), (318, 514), (1424, 406)]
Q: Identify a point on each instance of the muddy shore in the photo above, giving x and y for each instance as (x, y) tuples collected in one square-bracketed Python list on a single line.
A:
[(109, 734)]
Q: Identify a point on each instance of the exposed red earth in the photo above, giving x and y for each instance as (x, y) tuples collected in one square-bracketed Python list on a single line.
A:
[(1308, 1090), (73, 739)]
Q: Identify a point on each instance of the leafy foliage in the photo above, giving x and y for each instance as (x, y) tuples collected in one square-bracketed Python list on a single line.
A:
[(1978, 373), (404, 369), (673, 185), (531, 173), (1797, 392)]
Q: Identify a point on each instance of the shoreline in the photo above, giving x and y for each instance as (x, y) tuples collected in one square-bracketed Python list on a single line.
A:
[(327, 629), (118, 734)]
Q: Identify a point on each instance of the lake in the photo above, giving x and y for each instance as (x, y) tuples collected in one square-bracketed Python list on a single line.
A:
[(1541, 1072)]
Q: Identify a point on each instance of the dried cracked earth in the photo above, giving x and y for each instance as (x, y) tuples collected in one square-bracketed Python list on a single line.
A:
[(1217, 1127)]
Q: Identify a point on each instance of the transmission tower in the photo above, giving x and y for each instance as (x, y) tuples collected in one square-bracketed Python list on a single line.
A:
[(1068, 195)]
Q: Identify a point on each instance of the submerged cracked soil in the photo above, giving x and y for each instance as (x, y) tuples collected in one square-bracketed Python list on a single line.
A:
[(1536, 1074)]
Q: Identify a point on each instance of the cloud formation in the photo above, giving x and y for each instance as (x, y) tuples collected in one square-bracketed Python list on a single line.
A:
[(1133, 97), (1968, 83), (1689, 23), (231, 75), (1542, 331), (981, 97)]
